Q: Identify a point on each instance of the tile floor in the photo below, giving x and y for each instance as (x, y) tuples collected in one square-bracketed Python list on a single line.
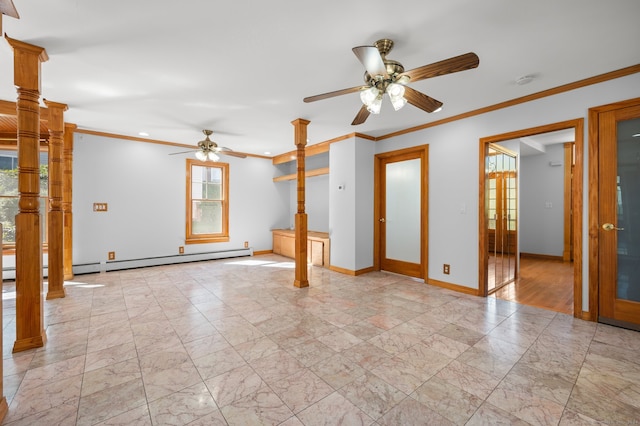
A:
[(233, 342)]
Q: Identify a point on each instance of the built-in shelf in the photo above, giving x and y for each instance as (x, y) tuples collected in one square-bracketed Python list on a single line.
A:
[(308, 173)]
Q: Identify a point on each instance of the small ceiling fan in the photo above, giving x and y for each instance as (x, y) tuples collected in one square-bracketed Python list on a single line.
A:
[(209, 150), (386, 76)]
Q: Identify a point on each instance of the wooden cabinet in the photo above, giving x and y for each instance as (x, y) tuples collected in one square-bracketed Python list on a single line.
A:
[(318, 246)]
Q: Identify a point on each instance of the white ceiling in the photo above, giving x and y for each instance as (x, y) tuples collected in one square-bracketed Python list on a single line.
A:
[(242, 68)]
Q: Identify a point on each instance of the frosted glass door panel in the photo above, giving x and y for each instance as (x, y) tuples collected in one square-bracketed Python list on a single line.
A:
[(628, 212), (403, 211)]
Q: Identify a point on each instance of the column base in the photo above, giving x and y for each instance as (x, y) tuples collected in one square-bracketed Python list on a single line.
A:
[(301, 284), (29, 343), (56, 294), (4, 408)]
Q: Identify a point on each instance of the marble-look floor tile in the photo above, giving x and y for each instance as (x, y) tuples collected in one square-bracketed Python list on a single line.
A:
[(233, 385), (276, 366), (469, 379), (138, 416), (525, 405), (311, 352), (338, 371), (606, 410), (231, 342), (412, 413), (335, 409), (218, 362), (339, 340), (183, 407), (490, 415), (301, 390), (447, 400), (261, 407), (445, 345), (110, 402), (59, 415), (109, 376), (110, 356), (372, 395)]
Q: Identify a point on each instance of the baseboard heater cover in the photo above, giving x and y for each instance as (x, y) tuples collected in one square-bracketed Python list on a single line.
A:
[(117, 265)]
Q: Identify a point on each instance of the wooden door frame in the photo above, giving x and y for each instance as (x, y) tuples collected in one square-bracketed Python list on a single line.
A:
[(423, 151), (576, 188), (594, 213)]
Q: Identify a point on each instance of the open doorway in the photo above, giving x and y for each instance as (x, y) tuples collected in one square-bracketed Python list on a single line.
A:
[(543, 193)]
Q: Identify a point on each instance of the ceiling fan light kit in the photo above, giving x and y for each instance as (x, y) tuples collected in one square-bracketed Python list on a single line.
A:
[(386, 76), (209, 150)]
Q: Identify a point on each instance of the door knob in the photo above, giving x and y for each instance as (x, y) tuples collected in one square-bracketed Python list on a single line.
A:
[(611, 227), (382, 219)]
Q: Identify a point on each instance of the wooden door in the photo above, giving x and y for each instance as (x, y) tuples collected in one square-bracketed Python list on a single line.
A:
[(619, 216), (401, 212)]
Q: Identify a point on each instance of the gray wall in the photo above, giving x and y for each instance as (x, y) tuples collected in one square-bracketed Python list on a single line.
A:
[(542, 202)]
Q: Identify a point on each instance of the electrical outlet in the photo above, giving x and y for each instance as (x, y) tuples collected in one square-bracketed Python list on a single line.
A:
[(446, 269), (181, 250), (112, 255), (246, 244)]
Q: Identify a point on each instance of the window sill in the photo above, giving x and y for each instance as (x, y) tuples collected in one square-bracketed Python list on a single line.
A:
[(206, 240)]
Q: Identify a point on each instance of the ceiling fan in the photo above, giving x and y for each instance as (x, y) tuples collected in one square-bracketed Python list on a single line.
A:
[(386, 76), (209, 150)]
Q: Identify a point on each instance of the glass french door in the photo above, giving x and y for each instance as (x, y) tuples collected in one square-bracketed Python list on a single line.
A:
[(619, 217), (401, 195), (502, 207)]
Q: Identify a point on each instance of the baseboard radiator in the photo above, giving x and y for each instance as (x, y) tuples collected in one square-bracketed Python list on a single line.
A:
[(118, 265)]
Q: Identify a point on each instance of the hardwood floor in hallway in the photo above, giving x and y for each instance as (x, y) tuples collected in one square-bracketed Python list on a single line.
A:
[(542, 283)]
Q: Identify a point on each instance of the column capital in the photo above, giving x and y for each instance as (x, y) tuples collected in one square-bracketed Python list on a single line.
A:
[(55, 119), (26, 63), (300, 136)]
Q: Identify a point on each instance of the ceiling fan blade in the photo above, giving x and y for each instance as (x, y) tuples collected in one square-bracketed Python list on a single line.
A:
[(233, 154), (458, 63), (183, 152), (420, 100), (361, 117), (370, 57), (332, 94), (7, 8)]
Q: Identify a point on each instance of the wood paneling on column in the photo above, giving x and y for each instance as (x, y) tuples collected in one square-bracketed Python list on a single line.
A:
[(29, 304), (55, 225), (300, 139), (4, 408), (67, 187)]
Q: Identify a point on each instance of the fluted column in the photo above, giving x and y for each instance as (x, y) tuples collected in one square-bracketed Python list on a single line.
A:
[(67, 186), (55, 225), (30, 331), (300, 138)]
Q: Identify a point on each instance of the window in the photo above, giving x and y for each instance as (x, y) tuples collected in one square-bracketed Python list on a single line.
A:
[(207, 202), (9, 195)]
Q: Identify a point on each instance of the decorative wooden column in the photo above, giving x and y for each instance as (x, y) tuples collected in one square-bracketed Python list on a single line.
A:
[(4, 408), (300, 139), (67, 215), (29, 304), (55, 226)]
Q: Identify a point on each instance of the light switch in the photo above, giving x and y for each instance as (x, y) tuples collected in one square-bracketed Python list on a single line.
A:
[(99, 207)]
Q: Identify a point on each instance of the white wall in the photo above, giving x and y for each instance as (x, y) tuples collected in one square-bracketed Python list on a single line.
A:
[(364, 181), (145, 191), (541, 194), (454, 174), (316, 194), (342, 214)]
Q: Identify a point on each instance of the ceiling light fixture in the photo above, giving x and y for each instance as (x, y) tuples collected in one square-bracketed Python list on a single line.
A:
[(372, 96), (525, 79)]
